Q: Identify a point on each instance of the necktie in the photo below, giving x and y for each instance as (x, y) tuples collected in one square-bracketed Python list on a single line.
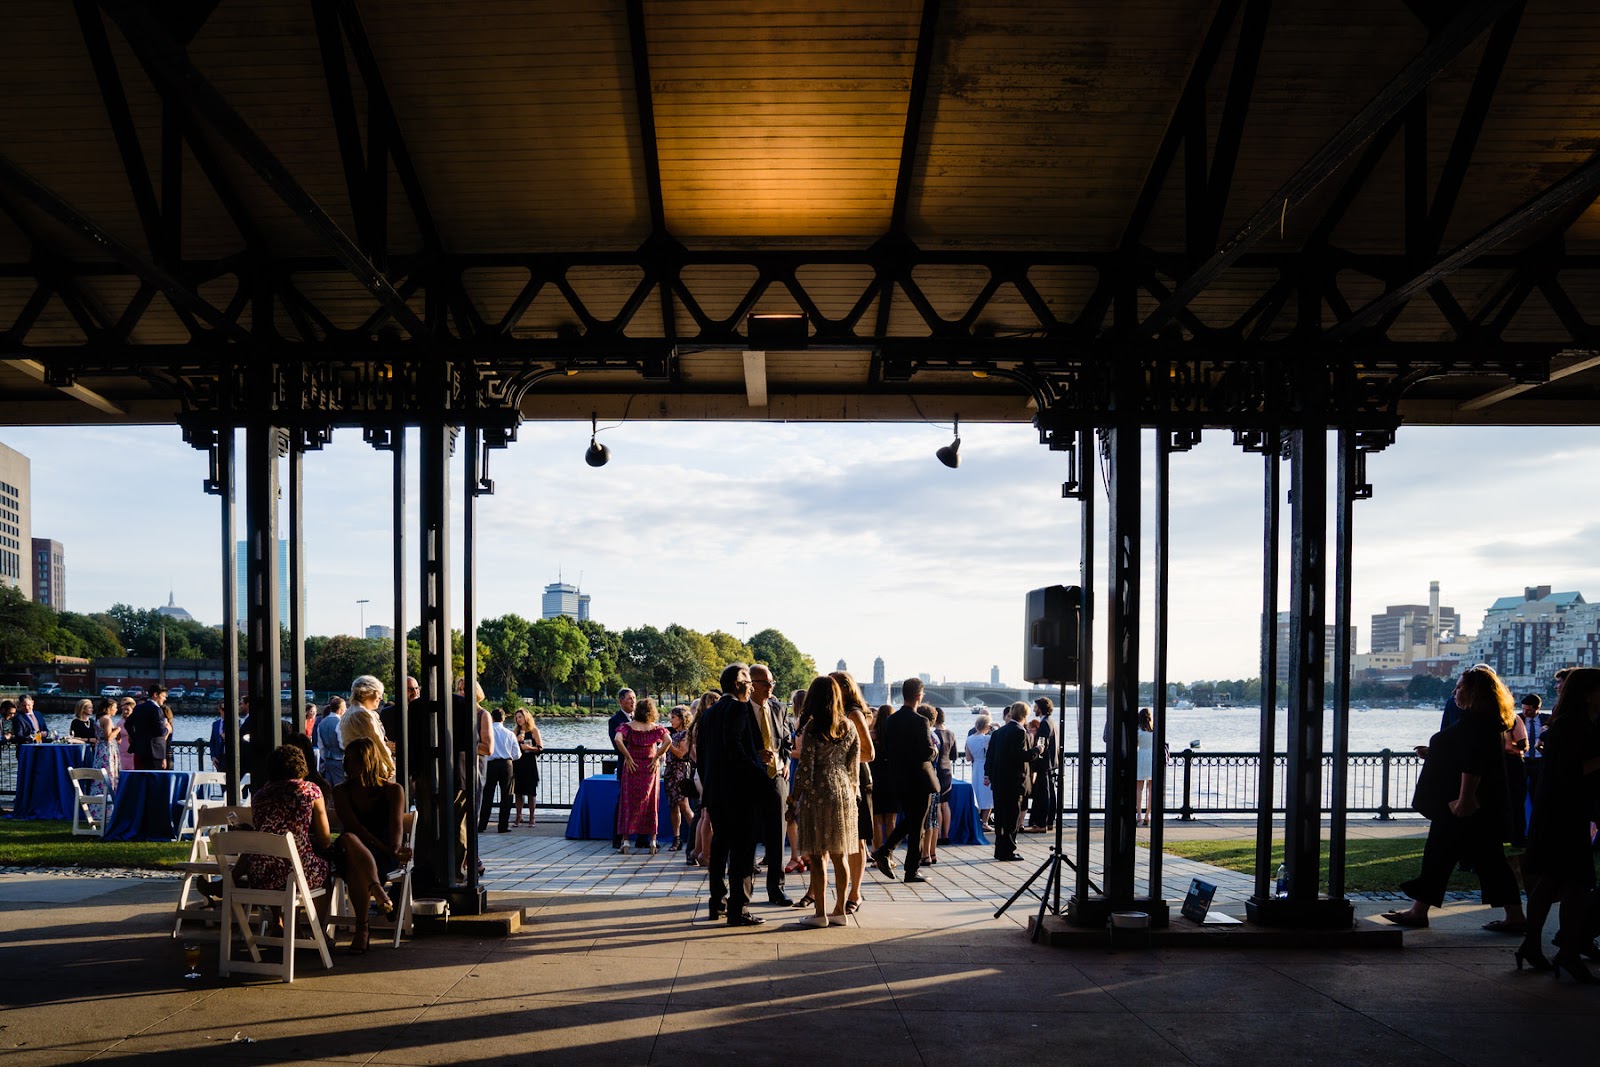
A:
[(765, 722)]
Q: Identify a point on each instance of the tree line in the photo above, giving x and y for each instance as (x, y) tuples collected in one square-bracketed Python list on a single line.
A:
[(548, 659)]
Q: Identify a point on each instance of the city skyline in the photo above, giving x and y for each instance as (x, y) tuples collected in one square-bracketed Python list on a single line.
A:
[(852, 539)]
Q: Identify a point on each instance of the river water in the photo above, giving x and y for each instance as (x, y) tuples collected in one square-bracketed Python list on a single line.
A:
[(1216, 729)]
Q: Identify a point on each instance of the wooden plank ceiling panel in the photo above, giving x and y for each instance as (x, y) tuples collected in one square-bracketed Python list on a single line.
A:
[(1043, 119), (521, 119), (780, 119)]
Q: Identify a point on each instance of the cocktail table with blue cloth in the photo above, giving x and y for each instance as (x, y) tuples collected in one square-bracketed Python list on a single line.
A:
[(149, 806), (43, 789), (594, 810), (965, 829)]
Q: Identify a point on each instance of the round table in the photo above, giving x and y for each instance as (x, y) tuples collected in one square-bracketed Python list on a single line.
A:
[(43, 789), (149, 806)]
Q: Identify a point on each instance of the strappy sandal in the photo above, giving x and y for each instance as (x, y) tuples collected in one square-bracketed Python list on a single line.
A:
[(852, 906), (1405, 918), (358, 942), (792, 867), (806, 901)]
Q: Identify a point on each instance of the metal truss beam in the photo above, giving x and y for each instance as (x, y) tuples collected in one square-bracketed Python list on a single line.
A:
[(1443, 46)]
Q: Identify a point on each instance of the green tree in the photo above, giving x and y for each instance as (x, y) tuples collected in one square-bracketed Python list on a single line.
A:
[(726, 649), (598, 671), (506, 642), (701, 668), (1426, 690), (555, 647), (653, 660), (791, 669), (341, 659), (25, 628)]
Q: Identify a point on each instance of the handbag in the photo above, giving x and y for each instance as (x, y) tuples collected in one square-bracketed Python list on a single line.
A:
[(688, 788)]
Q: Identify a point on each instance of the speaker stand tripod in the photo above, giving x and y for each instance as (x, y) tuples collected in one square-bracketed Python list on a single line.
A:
[(1058, 856)]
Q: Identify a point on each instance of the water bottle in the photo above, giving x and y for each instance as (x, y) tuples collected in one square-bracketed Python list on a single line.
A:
[(1283, 880)]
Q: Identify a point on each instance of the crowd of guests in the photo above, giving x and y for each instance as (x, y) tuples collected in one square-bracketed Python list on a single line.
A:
[(842, 784), (1478, 772)]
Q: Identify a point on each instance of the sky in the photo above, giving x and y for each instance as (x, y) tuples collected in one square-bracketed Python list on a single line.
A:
[(852, 539)]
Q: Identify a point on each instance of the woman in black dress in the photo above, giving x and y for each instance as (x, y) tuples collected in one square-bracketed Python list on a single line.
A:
[(1559, 863), (525, 768), (1462, 791)]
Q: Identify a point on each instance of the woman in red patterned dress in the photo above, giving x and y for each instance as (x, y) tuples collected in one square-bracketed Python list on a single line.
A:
[(644, 742), (289, 804)]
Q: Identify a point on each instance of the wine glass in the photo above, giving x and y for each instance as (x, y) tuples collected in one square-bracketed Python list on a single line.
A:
[(191, 956)]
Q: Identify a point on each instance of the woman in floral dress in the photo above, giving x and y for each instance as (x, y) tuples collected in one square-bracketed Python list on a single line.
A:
[(645, 743), (827, 787), (107, 755), (289, 804)]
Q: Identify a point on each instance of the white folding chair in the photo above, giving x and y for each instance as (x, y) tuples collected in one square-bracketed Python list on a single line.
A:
[(202, 865), (397, 883), (294, 900), (201, 785), (91, 802)]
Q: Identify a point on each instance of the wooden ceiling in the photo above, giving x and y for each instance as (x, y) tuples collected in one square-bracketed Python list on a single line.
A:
[(599, 192)]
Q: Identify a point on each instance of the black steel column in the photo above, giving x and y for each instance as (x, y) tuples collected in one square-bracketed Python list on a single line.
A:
[(402, 701), (297, 588), (224, 485), (1083, 456), (469, 627), (1346, 491), (264, 446), (1308, 474), (1266, 787), (1124, 539)]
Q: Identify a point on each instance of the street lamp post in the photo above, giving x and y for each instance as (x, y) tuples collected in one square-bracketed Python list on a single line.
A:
[(742, 624), (363, 604)]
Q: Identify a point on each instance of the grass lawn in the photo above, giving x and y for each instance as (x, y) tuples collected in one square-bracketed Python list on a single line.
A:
[(49, 843), (1371, 865)]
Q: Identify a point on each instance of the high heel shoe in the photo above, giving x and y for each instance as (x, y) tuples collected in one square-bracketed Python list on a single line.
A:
[(1532, 957), (653, 846), (1574, 965), (358, 942)]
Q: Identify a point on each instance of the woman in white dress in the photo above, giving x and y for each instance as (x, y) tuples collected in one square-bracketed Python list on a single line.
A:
[(1145, 770), (978, 753)]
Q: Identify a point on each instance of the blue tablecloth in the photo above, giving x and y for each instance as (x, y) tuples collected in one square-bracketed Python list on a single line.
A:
[(43, 789), (965, 829), (594, 810), (149, 806)]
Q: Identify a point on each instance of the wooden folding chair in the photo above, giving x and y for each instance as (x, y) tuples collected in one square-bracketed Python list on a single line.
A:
[(93, 808), (294, 900), (199, 799), (202, 865)]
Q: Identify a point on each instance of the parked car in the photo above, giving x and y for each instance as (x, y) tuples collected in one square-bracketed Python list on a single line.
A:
[(214, 694), (111, 690), (177, 692), (47, 689), (134, 691)]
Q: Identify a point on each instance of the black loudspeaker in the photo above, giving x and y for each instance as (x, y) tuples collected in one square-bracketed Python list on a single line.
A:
[(1050, 637)]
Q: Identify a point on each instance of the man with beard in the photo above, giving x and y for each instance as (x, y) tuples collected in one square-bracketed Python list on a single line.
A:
[(737, 771), (1005, 772)]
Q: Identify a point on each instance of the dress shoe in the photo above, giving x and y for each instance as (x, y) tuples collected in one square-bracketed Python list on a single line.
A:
[(1015, 857), (780, 900), (915, 877), (880, 860), (746, 919)]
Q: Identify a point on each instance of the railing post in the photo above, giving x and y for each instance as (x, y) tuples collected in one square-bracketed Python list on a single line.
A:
[(1186, 811), (1384, 810), (581, 774)]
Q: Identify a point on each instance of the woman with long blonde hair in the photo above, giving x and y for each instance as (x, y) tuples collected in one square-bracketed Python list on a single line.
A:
[(1462, 791), (855, 709), (825, 788)]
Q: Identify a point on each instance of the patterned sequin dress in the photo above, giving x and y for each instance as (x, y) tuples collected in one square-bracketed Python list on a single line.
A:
[(107, 758), (641, 787), (826, 786), (285, 807)]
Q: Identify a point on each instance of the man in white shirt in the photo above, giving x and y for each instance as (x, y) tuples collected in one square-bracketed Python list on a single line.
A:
[(503, 749)]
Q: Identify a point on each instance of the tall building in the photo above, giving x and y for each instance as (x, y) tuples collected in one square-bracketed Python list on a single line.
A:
[(877, 690), (49, 574), (16, 536), (994, 675), (378, 632), (1329, 635), (283, 582), (1523, 637), (561, 598), (172, 611), (1404, 627)]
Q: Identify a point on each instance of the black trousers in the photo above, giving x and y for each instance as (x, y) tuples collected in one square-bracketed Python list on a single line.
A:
[(1043, 812), (913, 817), (733, 859), (1007, 821), (498, 778), (1452, 840), (772, 827)]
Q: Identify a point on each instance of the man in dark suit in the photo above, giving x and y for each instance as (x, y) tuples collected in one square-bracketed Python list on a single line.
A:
[(907, 752), (147, 731), (1047, 746), (772, 821), (1006, 773), (28, 724), (736, 773)]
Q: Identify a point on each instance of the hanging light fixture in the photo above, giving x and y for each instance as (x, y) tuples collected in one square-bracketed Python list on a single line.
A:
[(950, 454), (598, 454)]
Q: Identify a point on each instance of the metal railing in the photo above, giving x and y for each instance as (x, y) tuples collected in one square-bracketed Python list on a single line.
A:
[(1198, 784)]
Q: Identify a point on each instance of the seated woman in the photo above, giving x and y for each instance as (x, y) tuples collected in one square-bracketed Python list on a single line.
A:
[(372, 809), (361, 720), (288, 803)]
